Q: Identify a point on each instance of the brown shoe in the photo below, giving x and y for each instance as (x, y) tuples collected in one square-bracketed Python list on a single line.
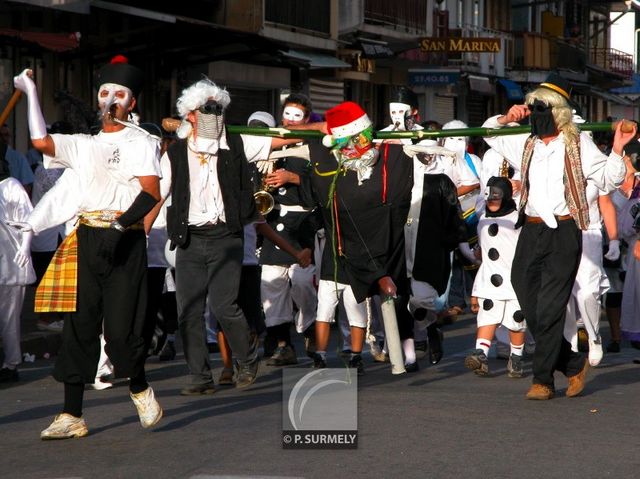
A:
[(577, 382), (540, 392)]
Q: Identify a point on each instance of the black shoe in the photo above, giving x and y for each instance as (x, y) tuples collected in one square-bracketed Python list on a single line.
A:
[(247, 374), (434, 333), (318, 362), (284, 356), (356, 362), (345, 353), (421, 349), (613, 347), (198, 389), (412, 368), (168, 352), (9, 375)]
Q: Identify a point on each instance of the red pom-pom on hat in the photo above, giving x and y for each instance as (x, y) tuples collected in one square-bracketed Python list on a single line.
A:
[(119, 59)]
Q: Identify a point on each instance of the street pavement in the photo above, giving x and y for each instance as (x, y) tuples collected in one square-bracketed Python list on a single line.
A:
[(441, 422)]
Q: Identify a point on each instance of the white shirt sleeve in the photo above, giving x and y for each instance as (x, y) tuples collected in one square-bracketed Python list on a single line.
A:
[(67, 149), (510, 147), (165, 179), (606, 173), (146, 162), (256, 148), (58, 205)]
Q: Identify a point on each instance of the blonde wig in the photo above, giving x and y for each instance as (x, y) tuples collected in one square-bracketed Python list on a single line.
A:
[(560, 108)]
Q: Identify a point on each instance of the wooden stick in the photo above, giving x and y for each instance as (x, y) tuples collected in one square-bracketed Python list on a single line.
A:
[(10, 106)]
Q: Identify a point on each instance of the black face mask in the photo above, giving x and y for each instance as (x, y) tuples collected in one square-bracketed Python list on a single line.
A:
[(409, 121), (500, 189), (542, 121)]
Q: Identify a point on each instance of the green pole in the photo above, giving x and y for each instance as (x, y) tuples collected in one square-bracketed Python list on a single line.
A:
[(400, 135)]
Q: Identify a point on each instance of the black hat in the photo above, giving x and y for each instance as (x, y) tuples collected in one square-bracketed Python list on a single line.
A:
[(405, 95), (119, 71), (558, 84), (499, 188)]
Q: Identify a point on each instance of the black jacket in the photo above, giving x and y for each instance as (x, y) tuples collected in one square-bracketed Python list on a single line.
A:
[(235, 185)]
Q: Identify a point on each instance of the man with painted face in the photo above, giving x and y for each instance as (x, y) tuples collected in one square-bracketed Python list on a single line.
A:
[(117, 172), (284, 281), (557, 162), (207, 174), (364, 195)]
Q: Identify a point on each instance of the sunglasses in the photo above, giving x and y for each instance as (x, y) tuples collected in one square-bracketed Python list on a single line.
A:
[(539, 107), (211, 108)]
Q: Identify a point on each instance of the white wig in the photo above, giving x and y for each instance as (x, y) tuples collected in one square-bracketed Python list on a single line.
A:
[(455, 125), (194, 97)]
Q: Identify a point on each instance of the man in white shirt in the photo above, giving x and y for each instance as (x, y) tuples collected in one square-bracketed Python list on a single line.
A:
[(207, 174), (117, 171), (553, 213)]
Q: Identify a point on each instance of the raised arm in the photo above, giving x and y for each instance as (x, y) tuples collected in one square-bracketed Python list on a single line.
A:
[(37, 126)]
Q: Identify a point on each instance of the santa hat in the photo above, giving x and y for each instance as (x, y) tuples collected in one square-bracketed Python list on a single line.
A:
[(345, 120), (119, 71)]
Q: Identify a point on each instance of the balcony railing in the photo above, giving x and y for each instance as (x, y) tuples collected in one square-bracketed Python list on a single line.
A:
[(613, 60), (411, 14), (311, 15)]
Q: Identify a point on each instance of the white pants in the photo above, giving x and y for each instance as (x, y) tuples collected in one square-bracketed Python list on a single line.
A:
[(11, 299), (502, 312), (423, 296), (329, 294), (280, 286), (591, 283)]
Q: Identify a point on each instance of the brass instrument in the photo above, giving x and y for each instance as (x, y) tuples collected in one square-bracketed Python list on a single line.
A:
[(504, 169), (264, 199)]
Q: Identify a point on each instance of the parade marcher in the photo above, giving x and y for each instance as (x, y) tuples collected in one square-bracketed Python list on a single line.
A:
[(118, 172), (364, 195), (493, 298), (16, 270), (284, 282), (206, 172), (553, 213)]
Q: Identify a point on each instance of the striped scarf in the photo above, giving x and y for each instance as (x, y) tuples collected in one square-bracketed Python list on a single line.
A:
[(573, 178)]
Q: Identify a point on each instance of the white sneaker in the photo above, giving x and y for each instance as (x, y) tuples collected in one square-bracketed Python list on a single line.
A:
[(595, 352), (148, 408), (65, 426), (100, 385)]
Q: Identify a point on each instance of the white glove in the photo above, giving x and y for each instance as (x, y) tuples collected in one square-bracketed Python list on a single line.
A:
[(613, 253), (265, 166), (468, 253), (37, 126), (23, 255), (20, 226)]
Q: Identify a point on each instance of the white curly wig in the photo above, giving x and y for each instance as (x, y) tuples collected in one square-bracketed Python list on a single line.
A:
[(194, 97)]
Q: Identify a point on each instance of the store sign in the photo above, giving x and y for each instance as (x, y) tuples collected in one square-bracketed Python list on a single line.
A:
[(458, 45), (432, 77)]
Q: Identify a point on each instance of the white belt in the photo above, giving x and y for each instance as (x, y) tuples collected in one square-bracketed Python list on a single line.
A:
[(292, 208)]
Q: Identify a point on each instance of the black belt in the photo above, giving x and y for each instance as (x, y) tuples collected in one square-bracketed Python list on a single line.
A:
[(207, 226)]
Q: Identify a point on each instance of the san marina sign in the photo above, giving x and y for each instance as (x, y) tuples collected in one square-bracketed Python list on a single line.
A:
[(466, 45)]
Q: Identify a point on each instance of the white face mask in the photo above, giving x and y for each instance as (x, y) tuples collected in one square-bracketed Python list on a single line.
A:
[(457, 144), (293, 115), (113, 94), (397, 111)]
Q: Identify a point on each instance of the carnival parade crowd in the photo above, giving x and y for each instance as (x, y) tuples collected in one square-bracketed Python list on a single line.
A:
[(137, 235)]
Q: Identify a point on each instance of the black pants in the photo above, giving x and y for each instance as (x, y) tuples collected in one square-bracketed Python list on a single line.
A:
[(159, 302), (114, 293), (210, 265), (543, 273), (249, 297)]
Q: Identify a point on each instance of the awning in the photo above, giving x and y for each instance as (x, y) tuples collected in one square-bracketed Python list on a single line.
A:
[(481, 85), (57, 42), (514, 91), (316, 60), (611, 98)]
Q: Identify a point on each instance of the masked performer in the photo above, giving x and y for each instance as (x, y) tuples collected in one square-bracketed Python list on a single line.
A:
[(493, 297), (117, 171), (557, 161), (207, 174), (365, 196)]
